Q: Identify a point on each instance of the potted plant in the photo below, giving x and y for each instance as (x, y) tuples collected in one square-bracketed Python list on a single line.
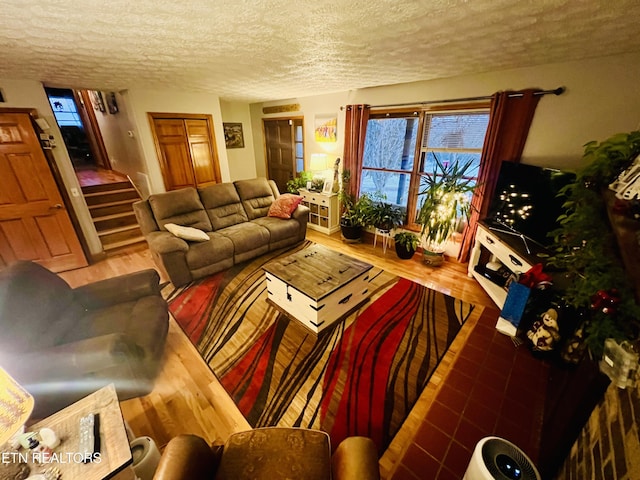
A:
[(446, 199), (587, 253), (355, 211), (295, 184), (384, 216), (406, 244)]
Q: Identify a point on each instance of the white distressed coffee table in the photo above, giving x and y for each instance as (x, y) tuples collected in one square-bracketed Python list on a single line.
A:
[(317, 286)]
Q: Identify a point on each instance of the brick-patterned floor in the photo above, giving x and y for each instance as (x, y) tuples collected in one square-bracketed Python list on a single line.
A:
[(493, 388)]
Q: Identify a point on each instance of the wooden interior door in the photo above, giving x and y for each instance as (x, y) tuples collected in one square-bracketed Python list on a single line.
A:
[(186, 149), (34, 223), (280, 150)]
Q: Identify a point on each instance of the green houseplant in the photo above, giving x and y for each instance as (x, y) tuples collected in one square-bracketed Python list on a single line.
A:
[(406, 244), (295, 184), (585, 248), (355, 212), (446, 198), (383, 215)]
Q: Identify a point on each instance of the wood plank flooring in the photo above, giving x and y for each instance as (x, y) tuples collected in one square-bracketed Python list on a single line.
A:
[(187, 398)]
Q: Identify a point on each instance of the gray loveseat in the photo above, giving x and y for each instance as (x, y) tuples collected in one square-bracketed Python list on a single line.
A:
[(234, 217)]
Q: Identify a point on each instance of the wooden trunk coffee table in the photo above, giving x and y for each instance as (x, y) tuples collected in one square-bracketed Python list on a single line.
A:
[(317, 286)]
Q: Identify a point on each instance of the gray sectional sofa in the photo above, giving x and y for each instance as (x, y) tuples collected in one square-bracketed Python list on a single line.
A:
[(234, 217)]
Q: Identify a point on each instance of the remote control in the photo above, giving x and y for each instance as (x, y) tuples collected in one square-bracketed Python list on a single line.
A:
[(89, 431)]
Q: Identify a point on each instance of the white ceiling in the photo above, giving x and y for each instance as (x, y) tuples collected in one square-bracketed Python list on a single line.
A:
[(253, 51)]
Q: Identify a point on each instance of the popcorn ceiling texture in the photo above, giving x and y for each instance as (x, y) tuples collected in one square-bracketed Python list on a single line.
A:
[(252, 50)]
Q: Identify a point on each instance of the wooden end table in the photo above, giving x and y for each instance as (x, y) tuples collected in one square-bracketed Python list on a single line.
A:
[(115, 452)]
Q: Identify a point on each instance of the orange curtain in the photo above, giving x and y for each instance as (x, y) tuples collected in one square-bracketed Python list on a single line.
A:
[(509, 121), (355, 131)]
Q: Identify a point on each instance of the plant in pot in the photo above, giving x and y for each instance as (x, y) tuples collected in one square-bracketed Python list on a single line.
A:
[(383, 215), (446, 199), (355, 211), (406, 244), (588, 253), (295, 184)]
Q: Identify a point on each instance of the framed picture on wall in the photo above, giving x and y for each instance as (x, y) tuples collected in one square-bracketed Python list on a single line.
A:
[(112, 105), (233, 137), (97, 100)]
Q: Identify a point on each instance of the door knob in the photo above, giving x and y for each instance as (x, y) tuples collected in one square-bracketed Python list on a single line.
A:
[(57, 206)]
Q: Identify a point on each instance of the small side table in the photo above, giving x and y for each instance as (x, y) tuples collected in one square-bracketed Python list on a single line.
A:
[(386, 239), (115, 453)]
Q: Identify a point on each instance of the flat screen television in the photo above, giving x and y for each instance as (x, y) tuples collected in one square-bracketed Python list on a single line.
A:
[(526, 203)]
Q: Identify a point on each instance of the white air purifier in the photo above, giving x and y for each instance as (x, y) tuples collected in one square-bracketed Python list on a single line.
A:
[(498, 459)]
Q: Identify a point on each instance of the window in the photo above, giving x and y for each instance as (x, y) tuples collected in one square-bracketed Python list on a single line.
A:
[(65, 111), (394, 158)]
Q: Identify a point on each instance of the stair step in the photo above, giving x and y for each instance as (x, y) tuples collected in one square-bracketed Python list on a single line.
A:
[(112, 247), (104, 187), (121, 219), (111, 208), (118, 234), (110, 196)]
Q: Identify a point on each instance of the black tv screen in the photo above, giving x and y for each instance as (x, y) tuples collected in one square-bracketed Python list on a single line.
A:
[(526, 202)]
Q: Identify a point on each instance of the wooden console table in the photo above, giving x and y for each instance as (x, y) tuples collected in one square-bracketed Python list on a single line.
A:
[(115, 453)]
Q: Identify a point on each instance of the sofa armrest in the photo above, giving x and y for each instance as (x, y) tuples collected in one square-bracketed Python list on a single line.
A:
[(355, 457), (188, 457), (301, 212), (74, 359), (165, 242), (124, 288)]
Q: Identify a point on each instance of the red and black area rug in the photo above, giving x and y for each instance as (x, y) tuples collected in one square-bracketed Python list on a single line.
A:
[(361, 376)]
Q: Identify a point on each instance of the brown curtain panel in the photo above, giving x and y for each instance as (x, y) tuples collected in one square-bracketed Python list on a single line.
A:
[(509, 121), (354, 134)]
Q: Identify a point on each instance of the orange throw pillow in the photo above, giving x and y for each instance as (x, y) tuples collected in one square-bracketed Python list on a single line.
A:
[(284, 205)]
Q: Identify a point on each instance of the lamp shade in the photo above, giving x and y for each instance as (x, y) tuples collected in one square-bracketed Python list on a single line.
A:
[(16, 404), (318, 162)]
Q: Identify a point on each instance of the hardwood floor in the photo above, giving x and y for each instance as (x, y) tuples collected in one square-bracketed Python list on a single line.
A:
[(187, 398)]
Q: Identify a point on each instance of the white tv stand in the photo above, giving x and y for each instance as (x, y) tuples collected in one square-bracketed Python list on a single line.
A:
[(490, 246)]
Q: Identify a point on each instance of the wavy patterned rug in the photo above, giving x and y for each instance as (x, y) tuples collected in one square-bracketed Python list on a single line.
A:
[(359, 377)]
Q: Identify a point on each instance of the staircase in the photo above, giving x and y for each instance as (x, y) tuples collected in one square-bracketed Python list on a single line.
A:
[(110, 205)]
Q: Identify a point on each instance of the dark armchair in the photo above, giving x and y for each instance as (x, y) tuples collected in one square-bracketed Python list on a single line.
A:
[(62, 343), (269, 453)]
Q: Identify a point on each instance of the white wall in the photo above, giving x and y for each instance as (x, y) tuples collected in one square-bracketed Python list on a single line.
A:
[(124, 152), (602, 98), (242, 162), (31, 94), (140, 102)]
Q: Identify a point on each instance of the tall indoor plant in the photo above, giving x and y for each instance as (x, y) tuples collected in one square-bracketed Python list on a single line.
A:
[(355, 212), (446, 199), (586, 251)]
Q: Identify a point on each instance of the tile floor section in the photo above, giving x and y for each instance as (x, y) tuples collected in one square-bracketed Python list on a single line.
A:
[(493, 388)]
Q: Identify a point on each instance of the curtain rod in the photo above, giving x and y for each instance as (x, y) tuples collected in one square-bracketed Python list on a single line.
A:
[(557, 91)]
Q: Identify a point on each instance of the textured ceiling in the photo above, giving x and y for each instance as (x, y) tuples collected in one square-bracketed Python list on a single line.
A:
[(276, 49)]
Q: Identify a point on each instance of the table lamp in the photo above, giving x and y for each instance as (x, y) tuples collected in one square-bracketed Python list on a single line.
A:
[(16, 404), (318, 164)]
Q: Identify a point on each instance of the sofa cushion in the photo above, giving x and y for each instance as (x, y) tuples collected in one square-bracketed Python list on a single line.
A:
[(284, 205), (223, 205), (142, 321), (246, 237), (214, 251), (182, 207), (187, 233), (33, 300), (273, 452), (256, 195), (279, 229)]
